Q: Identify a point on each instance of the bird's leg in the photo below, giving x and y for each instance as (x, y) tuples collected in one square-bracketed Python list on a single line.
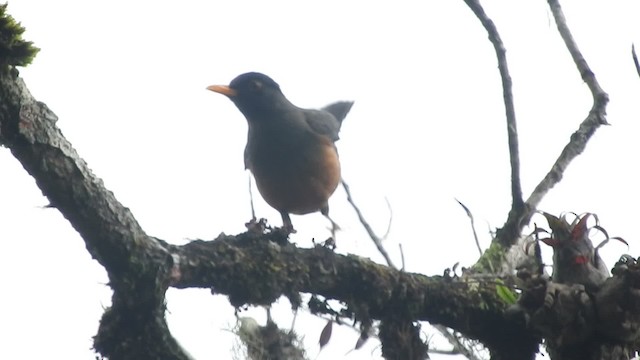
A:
[(293, 322), (269, 318), (253, 210), (254, 225), (334, 226), (286, 223)]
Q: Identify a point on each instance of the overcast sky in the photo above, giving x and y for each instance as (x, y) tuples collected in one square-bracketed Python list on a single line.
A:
[(127, 81)]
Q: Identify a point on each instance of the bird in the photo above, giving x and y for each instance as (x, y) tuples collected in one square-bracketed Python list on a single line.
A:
[(290, 151)]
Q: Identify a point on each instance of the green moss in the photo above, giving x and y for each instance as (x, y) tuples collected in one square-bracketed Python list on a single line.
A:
[(491, 260), (14, 51)]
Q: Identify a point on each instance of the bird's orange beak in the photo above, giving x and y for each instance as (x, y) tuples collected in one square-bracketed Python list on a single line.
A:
[(223, 89)]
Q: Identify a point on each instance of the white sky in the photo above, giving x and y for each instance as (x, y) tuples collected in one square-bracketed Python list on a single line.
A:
[(127, 81)]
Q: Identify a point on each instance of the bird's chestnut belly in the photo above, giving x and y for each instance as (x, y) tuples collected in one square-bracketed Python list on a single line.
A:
[(299, 181)]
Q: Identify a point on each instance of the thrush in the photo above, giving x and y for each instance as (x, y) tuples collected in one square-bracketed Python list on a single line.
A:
[(290, 151)]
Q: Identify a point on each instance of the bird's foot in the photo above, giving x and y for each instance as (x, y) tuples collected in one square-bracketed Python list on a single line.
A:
[(334, 229), (257, 226), (330, 243), (334, 225), (287, 230), (287, 226)]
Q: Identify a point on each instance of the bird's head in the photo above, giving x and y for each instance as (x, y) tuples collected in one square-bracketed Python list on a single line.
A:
[(253, 93)]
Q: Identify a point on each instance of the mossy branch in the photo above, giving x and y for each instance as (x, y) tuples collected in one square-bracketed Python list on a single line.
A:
[(14, 51)]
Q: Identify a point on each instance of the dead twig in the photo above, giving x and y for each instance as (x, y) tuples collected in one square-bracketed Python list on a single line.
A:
[(635, 58), (507, 94), (458, 346), (511, 228), (402, 257), (473, 225), (375, 238)]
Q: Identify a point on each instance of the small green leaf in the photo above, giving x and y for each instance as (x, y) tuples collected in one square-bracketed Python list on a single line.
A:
[(506, 294)]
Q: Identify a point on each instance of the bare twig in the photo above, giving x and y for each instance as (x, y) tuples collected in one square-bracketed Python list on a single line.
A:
[(402, 257), (386, 233), (253, 210), (595, 118), (581, 63), (376, 239), (458, 346), (510, 231), (507, 94), (473, 226), (635, 58)]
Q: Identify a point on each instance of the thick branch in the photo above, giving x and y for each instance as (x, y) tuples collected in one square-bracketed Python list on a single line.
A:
[(252, 269), (28, 130), (137, 265)]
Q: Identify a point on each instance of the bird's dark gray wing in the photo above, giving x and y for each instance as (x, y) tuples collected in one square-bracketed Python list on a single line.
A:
[(328, 120)]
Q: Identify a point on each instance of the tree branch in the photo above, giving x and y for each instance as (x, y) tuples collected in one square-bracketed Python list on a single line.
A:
[(137, 265), (507, 94), (597, 116), (270, 267), (519, 215)]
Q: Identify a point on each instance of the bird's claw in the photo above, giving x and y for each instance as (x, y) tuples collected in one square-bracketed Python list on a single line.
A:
[(257, 226)]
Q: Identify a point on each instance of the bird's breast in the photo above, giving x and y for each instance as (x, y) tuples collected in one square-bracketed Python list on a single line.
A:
[(295, 171)]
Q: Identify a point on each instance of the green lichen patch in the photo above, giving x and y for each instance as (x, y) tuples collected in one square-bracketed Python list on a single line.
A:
[(14, 50)]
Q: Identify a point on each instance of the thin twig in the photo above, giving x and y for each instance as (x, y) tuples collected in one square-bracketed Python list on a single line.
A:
[(507, 94), (253, 210), (572, 46), (376, 240), (386, 233), (473, 225), (635, 58), (458, 346), (401, 257)]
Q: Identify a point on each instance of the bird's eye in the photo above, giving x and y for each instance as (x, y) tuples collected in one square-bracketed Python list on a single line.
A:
[(255, 85)]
